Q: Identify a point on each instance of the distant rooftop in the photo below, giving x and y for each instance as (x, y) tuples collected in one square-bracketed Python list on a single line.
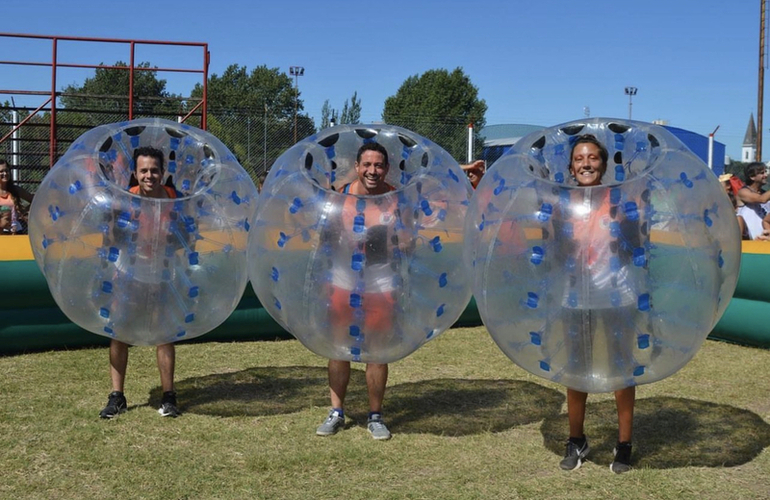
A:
[(506, 134)]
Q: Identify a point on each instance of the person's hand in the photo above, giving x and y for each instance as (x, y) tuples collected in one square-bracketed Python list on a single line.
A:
[(476, 165)]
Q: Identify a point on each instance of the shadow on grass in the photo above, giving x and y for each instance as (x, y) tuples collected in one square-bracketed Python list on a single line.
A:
[(459, 407), (453, 407), (670, 433), (256, 391)]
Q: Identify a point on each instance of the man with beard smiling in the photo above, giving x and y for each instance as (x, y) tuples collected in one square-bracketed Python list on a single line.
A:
[(375, 219)]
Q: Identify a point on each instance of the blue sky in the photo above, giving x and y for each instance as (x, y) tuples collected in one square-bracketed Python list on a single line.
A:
[(695, 62)]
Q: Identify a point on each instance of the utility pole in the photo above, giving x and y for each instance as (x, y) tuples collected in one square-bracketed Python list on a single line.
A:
[(760, 92)]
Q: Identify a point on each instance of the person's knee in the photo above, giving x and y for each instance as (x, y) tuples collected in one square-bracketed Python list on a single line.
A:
[(167, 349), (377, 372)]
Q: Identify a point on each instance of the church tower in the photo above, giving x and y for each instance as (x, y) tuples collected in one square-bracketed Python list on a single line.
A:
[(749, 149)]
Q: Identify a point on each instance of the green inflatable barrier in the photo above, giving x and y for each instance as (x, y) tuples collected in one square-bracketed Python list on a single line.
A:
[(744, 322), (31, 321)]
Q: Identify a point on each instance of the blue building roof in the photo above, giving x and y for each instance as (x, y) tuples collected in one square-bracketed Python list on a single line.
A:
[(699, 144)]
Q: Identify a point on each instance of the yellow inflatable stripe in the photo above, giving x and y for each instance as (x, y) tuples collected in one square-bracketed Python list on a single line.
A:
[(15, 248), (18, 247), (761, 247)]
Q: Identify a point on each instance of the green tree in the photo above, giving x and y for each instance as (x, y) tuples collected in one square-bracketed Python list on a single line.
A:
[(252, 112), (104, 98), (736, 168), (328, 114), (351, 113), (108, 90), (237, 90), (439, 105)]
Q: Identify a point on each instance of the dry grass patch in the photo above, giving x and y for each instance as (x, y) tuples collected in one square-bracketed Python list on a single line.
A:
[(467, 424)]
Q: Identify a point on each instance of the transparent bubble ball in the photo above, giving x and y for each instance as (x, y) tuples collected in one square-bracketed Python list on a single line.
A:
[(606, 287), (140, 270), (362, 278)]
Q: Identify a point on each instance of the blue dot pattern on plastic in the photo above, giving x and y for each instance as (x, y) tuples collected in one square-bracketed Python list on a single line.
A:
[(545, 212), (357, 261), (537, 255), (436, 244)]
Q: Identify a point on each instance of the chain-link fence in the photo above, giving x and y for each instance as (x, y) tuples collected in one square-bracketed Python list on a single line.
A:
[(256, 138)]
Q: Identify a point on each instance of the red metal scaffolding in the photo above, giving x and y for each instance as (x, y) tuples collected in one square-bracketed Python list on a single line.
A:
[(55, 65)]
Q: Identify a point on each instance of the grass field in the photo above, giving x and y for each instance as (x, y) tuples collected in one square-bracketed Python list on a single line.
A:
[(467, 424)]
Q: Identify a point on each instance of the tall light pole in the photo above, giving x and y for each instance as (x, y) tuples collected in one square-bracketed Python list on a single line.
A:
[(264, 142), (760, 93), (630, 92), (296, 72)]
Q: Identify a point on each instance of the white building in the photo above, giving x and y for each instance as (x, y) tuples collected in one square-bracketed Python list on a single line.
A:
[(749, 149)]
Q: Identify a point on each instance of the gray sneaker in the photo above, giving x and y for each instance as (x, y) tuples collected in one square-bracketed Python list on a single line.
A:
[(377, 428), (574, 455), (333, 423)]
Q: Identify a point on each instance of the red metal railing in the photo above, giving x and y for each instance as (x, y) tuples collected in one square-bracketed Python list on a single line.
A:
[(55, 65)]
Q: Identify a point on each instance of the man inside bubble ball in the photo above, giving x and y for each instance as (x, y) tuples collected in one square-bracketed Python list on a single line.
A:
[(148, 175), (586, 240), (371, 168)]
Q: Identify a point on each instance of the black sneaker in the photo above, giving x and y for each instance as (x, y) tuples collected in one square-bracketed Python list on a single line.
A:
[(622, 461), (116, 404), (168, 405), (575, 453)]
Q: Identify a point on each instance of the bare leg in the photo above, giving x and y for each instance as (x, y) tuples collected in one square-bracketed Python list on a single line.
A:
[(376, 380), (166, 355), (576, 410), (624, 400), (339, 377), (118, 364)]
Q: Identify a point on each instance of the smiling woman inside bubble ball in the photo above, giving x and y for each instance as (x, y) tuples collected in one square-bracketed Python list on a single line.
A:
[(588, 219), (601, 271)]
